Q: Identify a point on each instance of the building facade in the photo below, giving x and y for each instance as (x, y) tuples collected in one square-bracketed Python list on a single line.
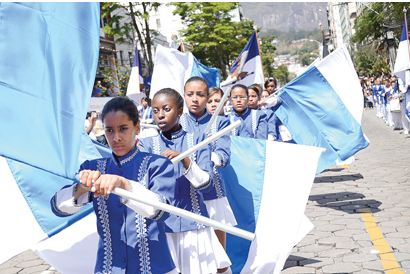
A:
[(341, 17)]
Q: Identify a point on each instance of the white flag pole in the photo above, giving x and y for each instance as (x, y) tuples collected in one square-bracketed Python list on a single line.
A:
[(270, 96), (218, 109), (186, 214), (149, 125), (206, 141)]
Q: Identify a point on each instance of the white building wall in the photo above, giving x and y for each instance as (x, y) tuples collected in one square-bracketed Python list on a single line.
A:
[(125, 51), (335, 26), (165, 22)]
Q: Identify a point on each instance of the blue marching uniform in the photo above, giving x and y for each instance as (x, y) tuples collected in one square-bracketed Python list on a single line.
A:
[(129, 242), (188, 197), (382, 94), (216, 201), (194, 246), (221, 147), (254, 124), (273, 123), (146, 115)]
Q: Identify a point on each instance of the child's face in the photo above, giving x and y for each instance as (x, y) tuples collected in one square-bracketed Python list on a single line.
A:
[(196, 96), (213, 103), (166, 113), (271, 86), (253, 99), (120, 132), (239, 99), (264, 95), (144, 103)]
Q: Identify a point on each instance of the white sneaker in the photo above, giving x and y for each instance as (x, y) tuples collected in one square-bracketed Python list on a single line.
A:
[(406, 132)]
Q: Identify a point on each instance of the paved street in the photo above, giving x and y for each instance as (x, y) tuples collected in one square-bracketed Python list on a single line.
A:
[(361, 214)]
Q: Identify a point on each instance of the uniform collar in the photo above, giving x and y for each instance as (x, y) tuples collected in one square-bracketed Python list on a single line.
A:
[(246, 111), (174, 135), (200, 118), (127, 157)]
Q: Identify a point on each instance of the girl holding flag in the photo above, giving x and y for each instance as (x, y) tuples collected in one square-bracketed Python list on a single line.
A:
[(196, 93), (194, 247), (131, 234)]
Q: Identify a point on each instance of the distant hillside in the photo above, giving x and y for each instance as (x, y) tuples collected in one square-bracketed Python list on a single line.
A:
[(285, 15)]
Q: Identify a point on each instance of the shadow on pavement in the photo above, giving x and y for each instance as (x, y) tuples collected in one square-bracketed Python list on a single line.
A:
[(299, 261), (349, 202), (333, 169), (340, 178)]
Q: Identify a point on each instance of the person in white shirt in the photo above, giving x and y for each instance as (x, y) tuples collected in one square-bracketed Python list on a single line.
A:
[(89, 124)]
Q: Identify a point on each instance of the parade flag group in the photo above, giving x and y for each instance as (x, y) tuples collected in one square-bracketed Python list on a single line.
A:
[(45, 79)]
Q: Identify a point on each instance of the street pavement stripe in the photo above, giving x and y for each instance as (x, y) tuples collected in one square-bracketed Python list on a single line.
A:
[(380, 244)]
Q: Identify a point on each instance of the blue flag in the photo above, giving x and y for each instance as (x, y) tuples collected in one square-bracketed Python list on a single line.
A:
[(173, 68), (269, 198), (46, 77), (403, 55), (323, 107), (247, 69), (136, 81)]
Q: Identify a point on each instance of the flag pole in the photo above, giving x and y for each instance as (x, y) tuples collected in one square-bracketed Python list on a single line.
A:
[(181, 45), (270, 96), (407, 31), (139, 67), (206, 141), (260, 55), (149, 126), (186, 214), (323, 37)]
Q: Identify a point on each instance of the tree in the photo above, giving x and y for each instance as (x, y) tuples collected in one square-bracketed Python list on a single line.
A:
[(139, 14), (306, 59), (281, 74), (216, 40), (370, 61), (372, 24), (371, 28), (267, 51)]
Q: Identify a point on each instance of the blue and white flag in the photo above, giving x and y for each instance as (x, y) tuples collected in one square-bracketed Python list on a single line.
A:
[(323, 107), (402, 65), (46, 79), (269, 198), (403, 59), (247, 69), (136, 81), (173, 68)]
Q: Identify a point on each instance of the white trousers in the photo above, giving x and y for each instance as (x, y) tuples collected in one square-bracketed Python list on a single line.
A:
[(379, 110), (397, 119), (405, 119), (389, 116)]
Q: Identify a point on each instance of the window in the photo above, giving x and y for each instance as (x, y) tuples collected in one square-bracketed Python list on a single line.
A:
[(130, 58), (103, 22), (121, 58)]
